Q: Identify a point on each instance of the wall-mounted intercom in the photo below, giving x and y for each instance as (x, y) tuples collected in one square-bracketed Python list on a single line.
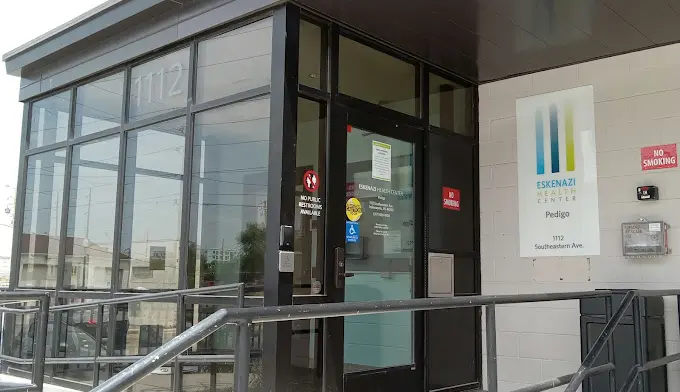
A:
[(647, 192)]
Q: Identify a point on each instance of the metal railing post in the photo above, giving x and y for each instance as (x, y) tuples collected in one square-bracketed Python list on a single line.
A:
[(179, 328), (608, 310), (98, 344), (242, 360), (240, 302), (637, 331), (40, 344), (491, 361)]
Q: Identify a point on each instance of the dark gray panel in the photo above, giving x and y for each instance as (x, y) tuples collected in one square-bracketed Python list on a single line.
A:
[(82, 31), (656, 19), (164, 21), (118, 56), (142, 34), (218, 15)]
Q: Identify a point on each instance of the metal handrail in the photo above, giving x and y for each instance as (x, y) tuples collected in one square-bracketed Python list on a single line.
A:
[(40, 356), (150, 297), (40, 341), (632, 297), (245, 316)]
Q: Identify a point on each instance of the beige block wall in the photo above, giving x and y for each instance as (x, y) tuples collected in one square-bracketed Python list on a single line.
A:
[(637, 104)]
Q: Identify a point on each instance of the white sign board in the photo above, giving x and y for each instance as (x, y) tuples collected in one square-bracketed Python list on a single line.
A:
[(557, 174), (382, 161)]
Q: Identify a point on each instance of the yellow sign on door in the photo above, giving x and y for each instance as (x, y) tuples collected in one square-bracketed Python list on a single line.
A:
[(353, 209)]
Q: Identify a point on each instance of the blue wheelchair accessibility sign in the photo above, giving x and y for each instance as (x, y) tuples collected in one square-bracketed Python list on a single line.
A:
[(351, 232)]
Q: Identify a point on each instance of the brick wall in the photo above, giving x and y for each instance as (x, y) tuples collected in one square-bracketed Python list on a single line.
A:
[(637, 104)]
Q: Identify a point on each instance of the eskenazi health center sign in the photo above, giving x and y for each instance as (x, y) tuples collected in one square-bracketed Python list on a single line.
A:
[(557, 174)]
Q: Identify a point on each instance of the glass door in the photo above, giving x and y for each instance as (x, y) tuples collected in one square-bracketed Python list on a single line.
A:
[(376, 254)]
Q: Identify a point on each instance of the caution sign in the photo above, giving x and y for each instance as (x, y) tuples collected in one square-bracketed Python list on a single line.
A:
[(310, 181), (353, 209)]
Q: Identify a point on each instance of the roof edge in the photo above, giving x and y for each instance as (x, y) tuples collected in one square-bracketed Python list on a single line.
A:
[(60, 29)]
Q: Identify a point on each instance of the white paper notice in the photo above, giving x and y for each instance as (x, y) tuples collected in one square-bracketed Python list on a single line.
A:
[(392, 244), (655, 226), (382, 161)]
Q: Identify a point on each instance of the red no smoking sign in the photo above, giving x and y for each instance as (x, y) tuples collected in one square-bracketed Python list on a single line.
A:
[(659, 157), (310, 181), (451, 198)]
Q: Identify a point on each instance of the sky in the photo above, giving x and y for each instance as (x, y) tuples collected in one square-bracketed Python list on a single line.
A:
[(20, 22)]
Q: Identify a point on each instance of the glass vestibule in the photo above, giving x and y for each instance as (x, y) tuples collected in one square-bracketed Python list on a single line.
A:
[(153, 177)]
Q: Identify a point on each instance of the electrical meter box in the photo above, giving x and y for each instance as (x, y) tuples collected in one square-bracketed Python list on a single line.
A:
[(644, 238)]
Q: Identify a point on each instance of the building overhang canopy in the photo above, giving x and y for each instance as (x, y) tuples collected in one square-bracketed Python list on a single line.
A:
[(481, 40), (485, 40)]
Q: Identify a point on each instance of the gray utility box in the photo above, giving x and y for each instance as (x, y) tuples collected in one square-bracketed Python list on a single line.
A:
[(651, 337)]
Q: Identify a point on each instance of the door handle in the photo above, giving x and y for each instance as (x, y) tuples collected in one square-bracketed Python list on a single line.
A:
[(349, 274), (339, 267)]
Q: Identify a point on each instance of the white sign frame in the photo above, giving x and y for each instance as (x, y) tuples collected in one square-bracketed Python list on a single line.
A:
[(557, 174)]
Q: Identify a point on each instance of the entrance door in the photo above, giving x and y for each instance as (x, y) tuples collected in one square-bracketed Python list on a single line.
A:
[(374, 233)]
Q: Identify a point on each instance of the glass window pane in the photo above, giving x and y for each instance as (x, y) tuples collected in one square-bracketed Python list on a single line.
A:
[(450, 106), (377, 77), (142, 327), (381, 253), (42, 219), (234, 62), (159, 86), (311, 55), (229, 195), (219, 376), (152, 206), (91, 215), (49, 120), (99, 105), (77, 337), (309, 217), (306, 355)]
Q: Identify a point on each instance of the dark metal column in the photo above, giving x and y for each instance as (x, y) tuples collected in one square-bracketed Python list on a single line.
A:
[(278, 287)]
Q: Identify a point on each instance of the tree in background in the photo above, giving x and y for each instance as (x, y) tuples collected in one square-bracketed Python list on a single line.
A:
[(252, 242)]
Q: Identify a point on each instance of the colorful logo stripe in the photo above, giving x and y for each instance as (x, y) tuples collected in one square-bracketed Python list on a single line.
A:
[(555, 139), (569, 137), (540, 153)]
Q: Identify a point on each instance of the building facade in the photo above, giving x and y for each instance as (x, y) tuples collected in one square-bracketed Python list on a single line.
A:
[(176, 165), (400, 149)]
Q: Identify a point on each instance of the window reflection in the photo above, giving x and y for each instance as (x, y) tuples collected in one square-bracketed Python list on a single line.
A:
[(159, 86), (77, 337), (309, 222), (92, 204), (99, 105), (311, 55), (306, 355), (42, 219), (229, 195), (376, 77), (450, 106), (49, 120), (219, 376), (145, 326), (142, 327), (234, 62), (152, 205)]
